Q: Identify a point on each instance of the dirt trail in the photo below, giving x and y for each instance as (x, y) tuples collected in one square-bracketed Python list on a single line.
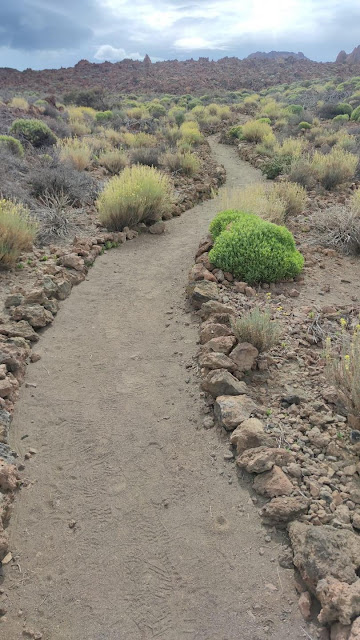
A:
[(166, 543)]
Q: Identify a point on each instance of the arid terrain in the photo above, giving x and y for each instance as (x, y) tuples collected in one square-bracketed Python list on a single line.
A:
[(179, 351)]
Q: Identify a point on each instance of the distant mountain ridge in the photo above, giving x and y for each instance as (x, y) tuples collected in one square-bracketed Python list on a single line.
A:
[(275, 55), (179, 76)]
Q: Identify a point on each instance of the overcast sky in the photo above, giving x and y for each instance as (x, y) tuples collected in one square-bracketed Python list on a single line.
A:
[(58, 33)]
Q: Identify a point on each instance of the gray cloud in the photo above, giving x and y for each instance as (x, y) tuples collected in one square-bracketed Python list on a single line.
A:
[(57, 33)]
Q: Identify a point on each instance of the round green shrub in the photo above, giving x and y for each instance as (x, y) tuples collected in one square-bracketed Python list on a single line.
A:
[(267, 120), (103, 116), (344, 108), (276, 166), (235, 131), (223, 219), (295, 108), (304, 125), (13, 145), (34, 131), (355, 115), (255, 251), (157, 110), (342, 117)]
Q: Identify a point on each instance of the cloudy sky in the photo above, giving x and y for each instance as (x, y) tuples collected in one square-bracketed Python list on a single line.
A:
[(54, 33)]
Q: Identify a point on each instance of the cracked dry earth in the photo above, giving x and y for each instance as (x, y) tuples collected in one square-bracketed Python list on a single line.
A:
[(132, 525)]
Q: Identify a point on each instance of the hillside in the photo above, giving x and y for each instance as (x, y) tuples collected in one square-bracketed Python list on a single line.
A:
[(173, 76)]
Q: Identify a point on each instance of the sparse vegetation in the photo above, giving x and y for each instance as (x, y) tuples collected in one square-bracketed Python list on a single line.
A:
[(17, 232), (76, 152), (186, 163), (138, 194), (114, 161), (343, 367), (335, 168), (257, 328)]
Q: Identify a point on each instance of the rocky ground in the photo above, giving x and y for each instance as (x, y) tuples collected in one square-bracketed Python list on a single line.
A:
[(287, 426)]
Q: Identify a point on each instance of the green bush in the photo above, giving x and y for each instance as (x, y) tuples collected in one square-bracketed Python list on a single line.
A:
[(355, 115), (255, 251), (138, 194), (304, 125), (235, 131), (156, 110), (342, 117), (13, 145), (331, 110), (296, 109), (266, 120), (223, 219), (34, 131), (103, 116), (344, 108), (275, 167)]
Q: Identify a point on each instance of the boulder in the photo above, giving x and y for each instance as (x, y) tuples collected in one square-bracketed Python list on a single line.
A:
[(250, 434), (210, 330), (200, 272), (72, 261), (244, 356), (19, 329), (203, 291), (13, 300), (339, 600), (263, 459), (50, 287), (5, 419), (221, 382), (273, 483), (36, 296), (8, 478), (35, 314), (280, 511), (63, 289), (5, 387), (230, 411), (213, 360), (204, 247), (222, 344), (212, 306), (340, 631), (324, 551), (157, 228)]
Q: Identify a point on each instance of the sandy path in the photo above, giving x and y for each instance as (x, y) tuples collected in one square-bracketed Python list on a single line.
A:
[(166, 544)]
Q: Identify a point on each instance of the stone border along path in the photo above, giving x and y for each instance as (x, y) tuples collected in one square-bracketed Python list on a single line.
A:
[(131, 525)]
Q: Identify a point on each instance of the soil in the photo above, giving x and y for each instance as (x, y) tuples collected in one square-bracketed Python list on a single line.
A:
[(132, 524)]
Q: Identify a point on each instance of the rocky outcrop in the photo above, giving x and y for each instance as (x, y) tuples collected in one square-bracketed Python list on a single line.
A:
[(349, 58), (276, 55)]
